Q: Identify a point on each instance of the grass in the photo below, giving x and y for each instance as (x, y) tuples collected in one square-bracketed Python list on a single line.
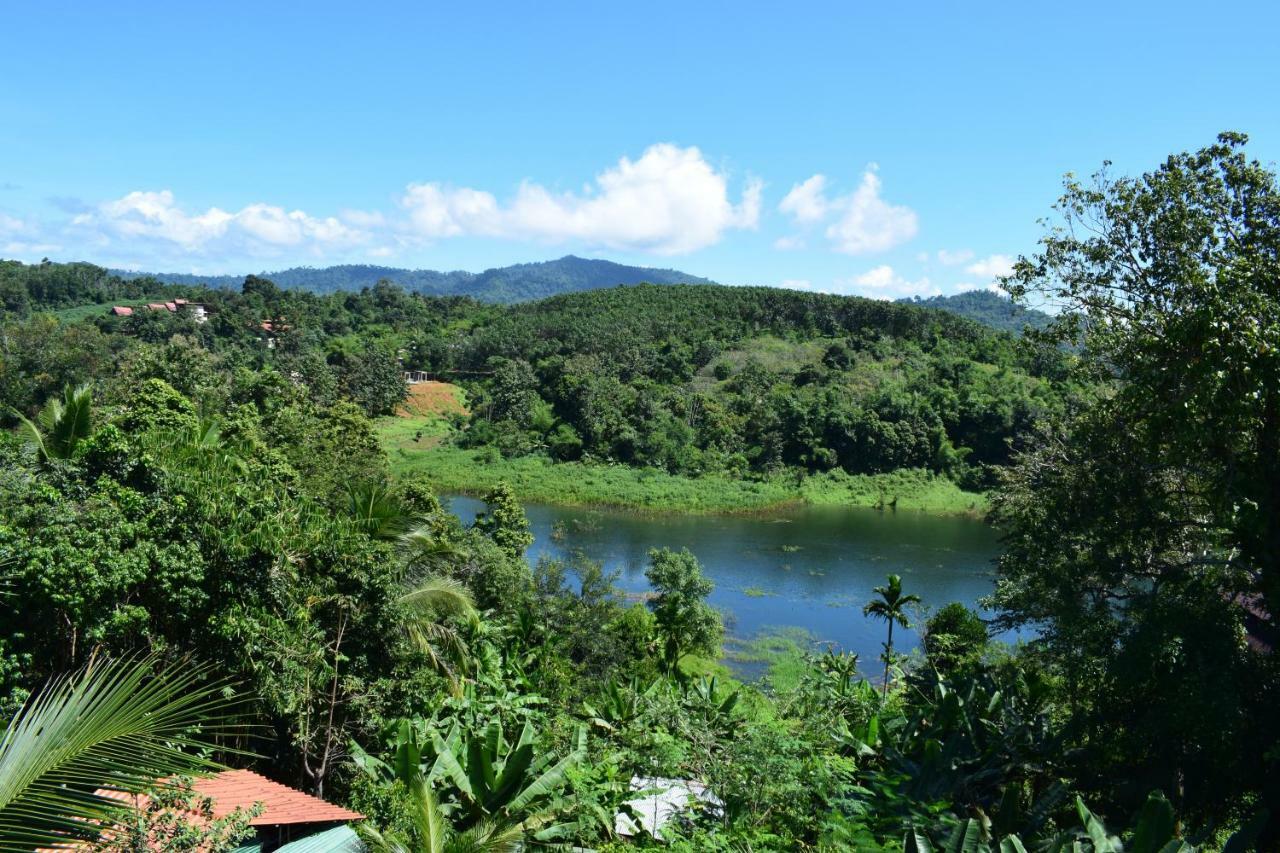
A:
[(416, 445), (780, 654), (80, 312)]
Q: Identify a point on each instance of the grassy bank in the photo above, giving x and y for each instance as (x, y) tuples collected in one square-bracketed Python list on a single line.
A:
[(417, 448)]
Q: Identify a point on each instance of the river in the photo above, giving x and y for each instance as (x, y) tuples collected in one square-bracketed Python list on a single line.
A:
[(810, 568)]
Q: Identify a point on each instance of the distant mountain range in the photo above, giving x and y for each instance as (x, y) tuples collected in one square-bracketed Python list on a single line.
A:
[(518, 283), (988, 308), (570, 274)]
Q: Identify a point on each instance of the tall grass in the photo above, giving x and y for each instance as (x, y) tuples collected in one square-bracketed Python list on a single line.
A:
[(535, 478)]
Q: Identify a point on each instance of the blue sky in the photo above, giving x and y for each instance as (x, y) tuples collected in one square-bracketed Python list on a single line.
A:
[(885, 149)]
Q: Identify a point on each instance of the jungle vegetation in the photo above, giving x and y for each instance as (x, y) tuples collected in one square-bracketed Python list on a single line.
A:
[(175, 491)]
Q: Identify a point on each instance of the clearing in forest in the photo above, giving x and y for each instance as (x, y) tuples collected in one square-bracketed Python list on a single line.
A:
[(430, 399)]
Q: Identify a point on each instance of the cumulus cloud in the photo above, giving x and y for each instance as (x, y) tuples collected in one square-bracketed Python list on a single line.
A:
[(807, 202), (992, 266), (156, 220), (883, 282), (859, 223), (669, 201)]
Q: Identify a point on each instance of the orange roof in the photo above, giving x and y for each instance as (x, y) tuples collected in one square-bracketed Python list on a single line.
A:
[(235, 789)]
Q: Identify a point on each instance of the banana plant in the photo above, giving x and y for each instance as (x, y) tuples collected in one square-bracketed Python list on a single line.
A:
[(487, 778), (1153, 834), (432, 832), (702, 699), (620, 704)]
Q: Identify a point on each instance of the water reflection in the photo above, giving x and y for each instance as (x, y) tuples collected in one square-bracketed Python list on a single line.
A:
[(811, 568)]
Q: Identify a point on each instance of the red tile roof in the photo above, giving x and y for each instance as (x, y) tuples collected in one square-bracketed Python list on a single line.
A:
[(234, 789), (121, 311)]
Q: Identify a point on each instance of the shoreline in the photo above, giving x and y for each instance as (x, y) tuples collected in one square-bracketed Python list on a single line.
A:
[(451, 470)]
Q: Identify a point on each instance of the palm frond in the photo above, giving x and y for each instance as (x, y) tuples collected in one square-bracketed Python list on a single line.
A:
[(116, 725)]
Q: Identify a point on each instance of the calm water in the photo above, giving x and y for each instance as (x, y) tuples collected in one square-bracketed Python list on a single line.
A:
[(811, 568)]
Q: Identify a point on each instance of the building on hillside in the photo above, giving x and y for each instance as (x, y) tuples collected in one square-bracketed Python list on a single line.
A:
[(199, 312), (290, 821), (413, 377)]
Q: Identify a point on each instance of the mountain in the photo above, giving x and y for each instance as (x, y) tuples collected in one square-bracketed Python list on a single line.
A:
[(518, 283), (988, 308)]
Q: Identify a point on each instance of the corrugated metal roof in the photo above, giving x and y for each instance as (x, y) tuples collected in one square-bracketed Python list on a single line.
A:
[(340, 839)]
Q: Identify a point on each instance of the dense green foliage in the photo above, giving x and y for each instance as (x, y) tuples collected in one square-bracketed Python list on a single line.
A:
[(990, 309), (216, 490), (1143, 535), (701, 380)]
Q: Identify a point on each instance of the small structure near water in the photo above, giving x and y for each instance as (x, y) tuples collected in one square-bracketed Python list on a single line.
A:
[(663, 800)]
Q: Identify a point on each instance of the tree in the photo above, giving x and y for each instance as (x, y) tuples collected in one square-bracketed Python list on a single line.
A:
[(891, 606), (954, 637), (429, 606), (373, 380), (63, 424), (504, 521), (119, 725), (686, 622), (1143, 534)]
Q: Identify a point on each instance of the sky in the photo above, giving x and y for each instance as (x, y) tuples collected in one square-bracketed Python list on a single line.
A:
[(883, 149)]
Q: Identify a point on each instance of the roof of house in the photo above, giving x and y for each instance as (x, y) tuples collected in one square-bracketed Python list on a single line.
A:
[(340, 839), (235, 789), (121, 311)]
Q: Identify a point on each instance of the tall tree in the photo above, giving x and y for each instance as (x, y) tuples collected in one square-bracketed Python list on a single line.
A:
[(891, 606), (687, 623), (1143, 536)]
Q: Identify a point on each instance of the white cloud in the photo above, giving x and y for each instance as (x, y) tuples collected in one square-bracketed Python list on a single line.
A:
[(883, 282), (953, 259), (807, 202), (155, 219), (993, 266), (991, 269), (669, 201), (861, 222), (786, 244)]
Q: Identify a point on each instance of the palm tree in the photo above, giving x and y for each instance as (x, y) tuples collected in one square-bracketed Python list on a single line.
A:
[(434, 834), (115, 725), (429, 606), (377, 512), (891, 606), (62, 423)]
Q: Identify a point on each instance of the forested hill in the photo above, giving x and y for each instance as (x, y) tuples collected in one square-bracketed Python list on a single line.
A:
[(988, 308), (517, 283)]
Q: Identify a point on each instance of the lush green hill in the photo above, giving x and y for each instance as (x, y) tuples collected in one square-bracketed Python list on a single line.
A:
[(988, 308), (502, 284)]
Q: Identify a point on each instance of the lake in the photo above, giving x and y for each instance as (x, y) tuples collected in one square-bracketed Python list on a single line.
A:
[(810, 568)]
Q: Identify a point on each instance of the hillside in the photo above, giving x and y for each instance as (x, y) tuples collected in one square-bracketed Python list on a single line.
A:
[(991, 309), (516, 283)]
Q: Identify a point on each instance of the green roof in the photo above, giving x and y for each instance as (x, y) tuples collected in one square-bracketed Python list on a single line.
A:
[(340, 839)]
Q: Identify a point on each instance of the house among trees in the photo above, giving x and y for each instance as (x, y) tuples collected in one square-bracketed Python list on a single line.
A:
[(289, 822), (197, 310)]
